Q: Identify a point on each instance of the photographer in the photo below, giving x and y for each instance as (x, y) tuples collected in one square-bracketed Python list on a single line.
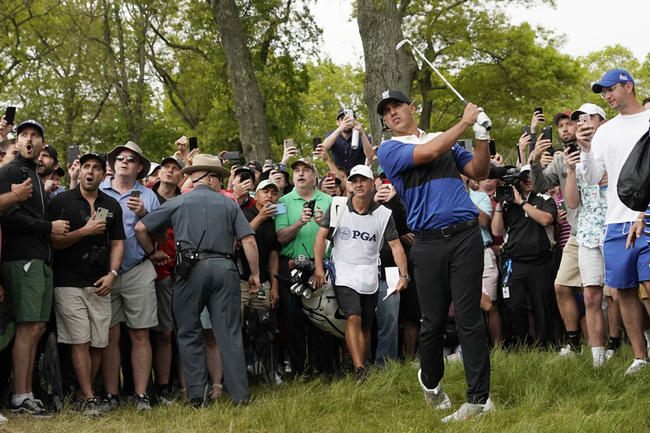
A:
[(527, 265), (341, 141)]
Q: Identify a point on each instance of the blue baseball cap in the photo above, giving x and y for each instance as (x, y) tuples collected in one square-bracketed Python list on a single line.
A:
[(612, 77), (33, 124)]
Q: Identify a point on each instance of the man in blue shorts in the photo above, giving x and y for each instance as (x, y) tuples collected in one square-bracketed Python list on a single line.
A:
[(606, 150), (448, 251)]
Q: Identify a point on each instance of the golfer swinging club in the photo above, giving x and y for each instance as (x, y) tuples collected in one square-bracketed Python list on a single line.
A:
[(448, 250)]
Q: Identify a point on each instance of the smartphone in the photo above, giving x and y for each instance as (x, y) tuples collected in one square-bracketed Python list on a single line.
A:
[(102, 213), (135, 193), (539, 110), (387, 183), (24, 174), (288, 143), (73, 154), (65, 215), (10, 115), (572, 147), (331, 176), (349, 113), (493, 147), (231, 156), (466, 143), (585, 118), (561, 205), (268, 162), (280, 209), (244, 175), (547, 133), (315, 142), (193, 143)]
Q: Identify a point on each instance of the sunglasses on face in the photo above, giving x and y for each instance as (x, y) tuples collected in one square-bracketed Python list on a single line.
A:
[(128, 158)]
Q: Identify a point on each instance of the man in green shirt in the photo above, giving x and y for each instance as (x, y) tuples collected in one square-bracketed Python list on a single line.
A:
[(296, 231)]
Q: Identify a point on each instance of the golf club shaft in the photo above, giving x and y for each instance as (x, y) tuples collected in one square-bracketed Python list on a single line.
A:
[(432, 67)]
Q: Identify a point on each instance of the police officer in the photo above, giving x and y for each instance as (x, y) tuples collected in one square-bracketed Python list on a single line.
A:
[(205, 224)]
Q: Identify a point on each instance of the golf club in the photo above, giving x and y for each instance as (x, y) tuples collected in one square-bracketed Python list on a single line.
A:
[(407, 41)]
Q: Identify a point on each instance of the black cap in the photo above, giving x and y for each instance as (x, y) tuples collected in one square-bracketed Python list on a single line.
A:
[(342, 112), (94, 155), (60, 172), (243, 168), (255, 164), (52, 151), (390, 95)]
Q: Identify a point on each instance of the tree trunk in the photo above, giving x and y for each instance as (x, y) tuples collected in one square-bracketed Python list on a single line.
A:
[(249, 100), (380, 27)]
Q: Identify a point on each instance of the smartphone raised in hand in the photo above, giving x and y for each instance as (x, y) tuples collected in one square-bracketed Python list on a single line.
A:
[(547, 133), (10, 115), (192, 143), (315, 142), (73, 154)]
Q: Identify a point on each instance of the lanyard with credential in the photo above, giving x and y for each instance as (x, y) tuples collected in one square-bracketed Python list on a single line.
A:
[(508, 272)]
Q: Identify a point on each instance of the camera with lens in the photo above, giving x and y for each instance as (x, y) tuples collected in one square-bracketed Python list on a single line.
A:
[(97, 255), (511, 177), (185, 261)]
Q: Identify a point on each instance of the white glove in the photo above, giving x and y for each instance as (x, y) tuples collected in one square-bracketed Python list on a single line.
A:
[(482, 126)]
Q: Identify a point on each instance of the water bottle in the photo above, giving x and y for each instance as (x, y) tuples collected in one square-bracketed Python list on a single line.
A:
[(355, 139)]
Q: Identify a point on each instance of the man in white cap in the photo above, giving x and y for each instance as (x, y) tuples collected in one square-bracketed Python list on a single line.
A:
[(205, 223), (133, 298), (362, 228), (606, 150)]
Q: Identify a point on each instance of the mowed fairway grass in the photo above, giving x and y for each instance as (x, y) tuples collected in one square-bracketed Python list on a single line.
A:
[(532, 392)]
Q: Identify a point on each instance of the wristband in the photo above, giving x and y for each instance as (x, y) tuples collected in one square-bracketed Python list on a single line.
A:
[(114, 272), (640, 220), (496, 209), (17, 196), (406, 277), (152, 252)]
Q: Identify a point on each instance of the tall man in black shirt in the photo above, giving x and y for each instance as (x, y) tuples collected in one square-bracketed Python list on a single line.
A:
[(86, 264)]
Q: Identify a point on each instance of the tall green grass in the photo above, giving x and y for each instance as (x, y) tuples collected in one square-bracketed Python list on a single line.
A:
[(532, 392)]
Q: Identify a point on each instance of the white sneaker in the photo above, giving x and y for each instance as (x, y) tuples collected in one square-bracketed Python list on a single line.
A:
[(436, 398), (599, 356), (609, 354), (3, 419), (637, 365), (470, 410)]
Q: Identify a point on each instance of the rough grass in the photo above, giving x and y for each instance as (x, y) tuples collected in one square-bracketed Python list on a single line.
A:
[(532, 392)]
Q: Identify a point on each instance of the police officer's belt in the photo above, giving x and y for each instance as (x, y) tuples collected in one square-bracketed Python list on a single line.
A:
[(448, 231), (211, 255)]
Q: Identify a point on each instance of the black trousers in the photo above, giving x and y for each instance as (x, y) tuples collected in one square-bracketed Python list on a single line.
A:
[(534, 282), (446, 270)]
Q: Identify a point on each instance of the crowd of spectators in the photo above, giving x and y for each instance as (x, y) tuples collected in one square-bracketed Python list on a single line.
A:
[(160, 276)]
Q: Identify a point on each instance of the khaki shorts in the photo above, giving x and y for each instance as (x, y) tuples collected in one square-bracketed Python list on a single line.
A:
[(29, 288), (592, 266), (82, 316), (252, 300), (133, 298), (164, 292), (569, 272)]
